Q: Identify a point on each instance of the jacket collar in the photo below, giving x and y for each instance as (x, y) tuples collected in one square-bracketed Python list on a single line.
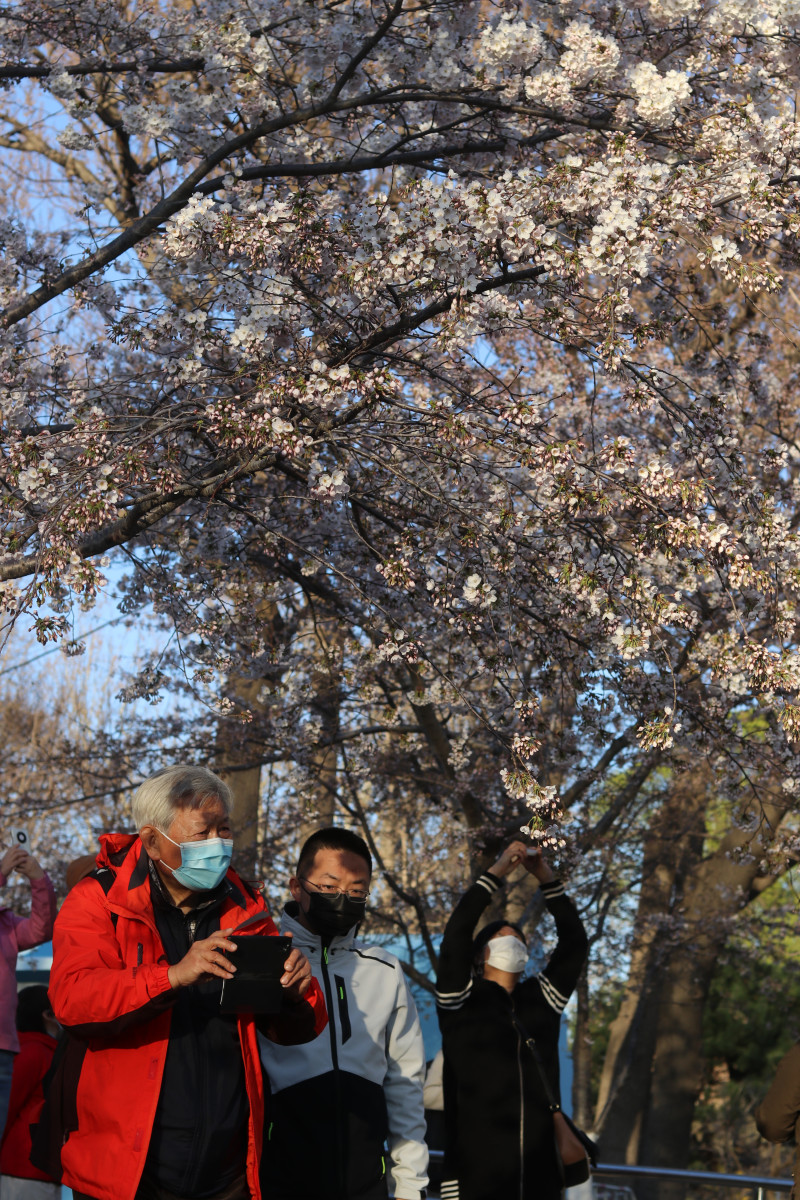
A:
[(305, 939)]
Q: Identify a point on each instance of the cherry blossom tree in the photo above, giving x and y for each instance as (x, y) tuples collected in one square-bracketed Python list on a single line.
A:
[(427, 367), (455, 314)]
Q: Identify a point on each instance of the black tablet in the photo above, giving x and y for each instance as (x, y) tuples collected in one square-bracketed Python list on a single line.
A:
[(256, 987)]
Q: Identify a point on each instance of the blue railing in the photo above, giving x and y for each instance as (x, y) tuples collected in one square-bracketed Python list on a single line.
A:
[(760, 1185)]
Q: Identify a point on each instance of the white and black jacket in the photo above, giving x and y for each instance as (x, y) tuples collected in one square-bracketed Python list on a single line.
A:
[(335, 1100)]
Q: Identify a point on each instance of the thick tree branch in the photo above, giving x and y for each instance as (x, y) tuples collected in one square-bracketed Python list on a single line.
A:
[(137, 231), (104, 66), (142, 515), (377, 162)]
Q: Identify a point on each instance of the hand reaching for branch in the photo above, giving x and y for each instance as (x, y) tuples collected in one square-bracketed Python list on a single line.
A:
[(512, 856), (520, 853), (536, 864)]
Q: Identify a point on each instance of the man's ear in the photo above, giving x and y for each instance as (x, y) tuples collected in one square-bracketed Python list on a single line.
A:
[(151, 840), (294, 888)]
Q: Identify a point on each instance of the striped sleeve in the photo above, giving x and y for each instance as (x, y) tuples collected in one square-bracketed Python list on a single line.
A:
[(560, 976), (454, 977), (490, 883), (551, 994), (452, 1000)]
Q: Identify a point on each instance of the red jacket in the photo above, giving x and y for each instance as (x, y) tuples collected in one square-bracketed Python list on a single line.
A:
[(25, 1104), (109, 988)]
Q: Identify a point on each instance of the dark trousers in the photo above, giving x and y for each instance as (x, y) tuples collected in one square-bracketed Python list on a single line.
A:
[(238, 1190)]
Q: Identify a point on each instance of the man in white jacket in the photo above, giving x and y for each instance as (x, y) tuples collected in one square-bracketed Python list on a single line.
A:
[(338, 1100)]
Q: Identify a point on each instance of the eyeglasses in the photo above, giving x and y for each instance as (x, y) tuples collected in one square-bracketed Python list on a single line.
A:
[(330, 889)]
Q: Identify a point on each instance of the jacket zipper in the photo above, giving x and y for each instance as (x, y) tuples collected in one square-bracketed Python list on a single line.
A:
[(202, 1130), (339, 1109), (521, 1110)]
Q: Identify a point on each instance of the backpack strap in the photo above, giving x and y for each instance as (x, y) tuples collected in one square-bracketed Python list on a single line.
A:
[(105, 877), (552, 1100)]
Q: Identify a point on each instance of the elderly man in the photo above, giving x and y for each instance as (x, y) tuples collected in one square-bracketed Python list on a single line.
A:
[(159, 1094)]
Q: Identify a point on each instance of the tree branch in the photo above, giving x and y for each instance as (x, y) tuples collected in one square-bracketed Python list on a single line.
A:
[(137, 231), (376, 162)]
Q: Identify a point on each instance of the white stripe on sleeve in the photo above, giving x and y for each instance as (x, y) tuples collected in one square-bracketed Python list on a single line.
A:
[(451, 1000), (489, 883), (551, 994)]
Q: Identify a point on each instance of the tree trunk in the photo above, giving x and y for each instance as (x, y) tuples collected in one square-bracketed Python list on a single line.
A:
[(244, 782), (677, 1064), (325, 702), (241, 745), (245, 813), (653, 1070), (625, 1079), (582, 1057)]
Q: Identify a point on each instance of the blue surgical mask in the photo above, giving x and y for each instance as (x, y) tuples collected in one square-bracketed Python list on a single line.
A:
[(203, 864)]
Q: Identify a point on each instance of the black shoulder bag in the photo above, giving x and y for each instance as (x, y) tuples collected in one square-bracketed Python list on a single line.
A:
[(575, 1150)]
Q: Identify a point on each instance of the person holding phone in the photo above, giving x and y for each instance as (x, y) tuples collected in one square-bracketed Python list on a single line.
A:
[(158, 1092), (499, 1138), (19, 933)]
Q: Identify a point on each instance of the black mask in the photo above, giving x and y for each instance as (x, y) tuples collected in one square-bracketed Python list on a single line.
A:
[(333, 916)]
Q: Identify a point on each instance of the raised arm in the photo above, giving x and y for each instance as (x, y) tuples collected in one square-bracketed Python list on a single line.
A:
[(560, 976), (454, 977), (37, 928)]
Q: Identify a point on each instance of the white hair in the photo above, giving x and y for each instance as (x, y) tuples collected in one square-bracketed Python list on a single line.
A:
[(159, 798)]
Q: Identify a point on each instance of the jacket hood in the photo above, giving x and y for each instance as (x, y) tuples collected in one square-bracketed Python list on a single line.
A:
[(305, 939), (114, 847)]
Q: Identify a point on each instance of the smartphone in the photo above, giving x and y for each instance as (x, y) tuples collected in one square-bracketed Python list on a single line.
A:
[(256, 986), (20, 837)]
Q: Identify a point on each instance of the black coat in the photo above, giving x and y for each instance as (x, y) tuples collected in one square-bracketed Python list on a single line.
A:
[(498, 1128)]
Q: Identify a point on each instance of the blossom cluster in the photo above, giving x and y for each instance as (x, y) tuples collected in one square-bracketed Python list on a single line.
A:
[(474, 333)]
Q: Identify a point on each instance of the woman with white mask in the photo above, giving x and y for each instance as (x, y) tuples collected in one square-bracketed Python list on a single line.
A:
[(499, 1139)]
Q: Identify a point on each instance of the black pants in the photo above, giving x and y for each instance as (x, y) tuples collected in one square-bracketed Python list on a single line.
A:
[(238, 1190)]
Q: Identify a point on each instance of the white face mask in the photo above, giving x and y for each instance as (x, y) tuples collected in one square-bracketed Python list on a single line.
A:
[(507, 953)]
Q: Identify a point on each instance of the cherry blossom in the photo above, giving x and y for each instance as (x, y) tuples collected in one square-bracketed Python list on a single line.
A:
[(472, 322)]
